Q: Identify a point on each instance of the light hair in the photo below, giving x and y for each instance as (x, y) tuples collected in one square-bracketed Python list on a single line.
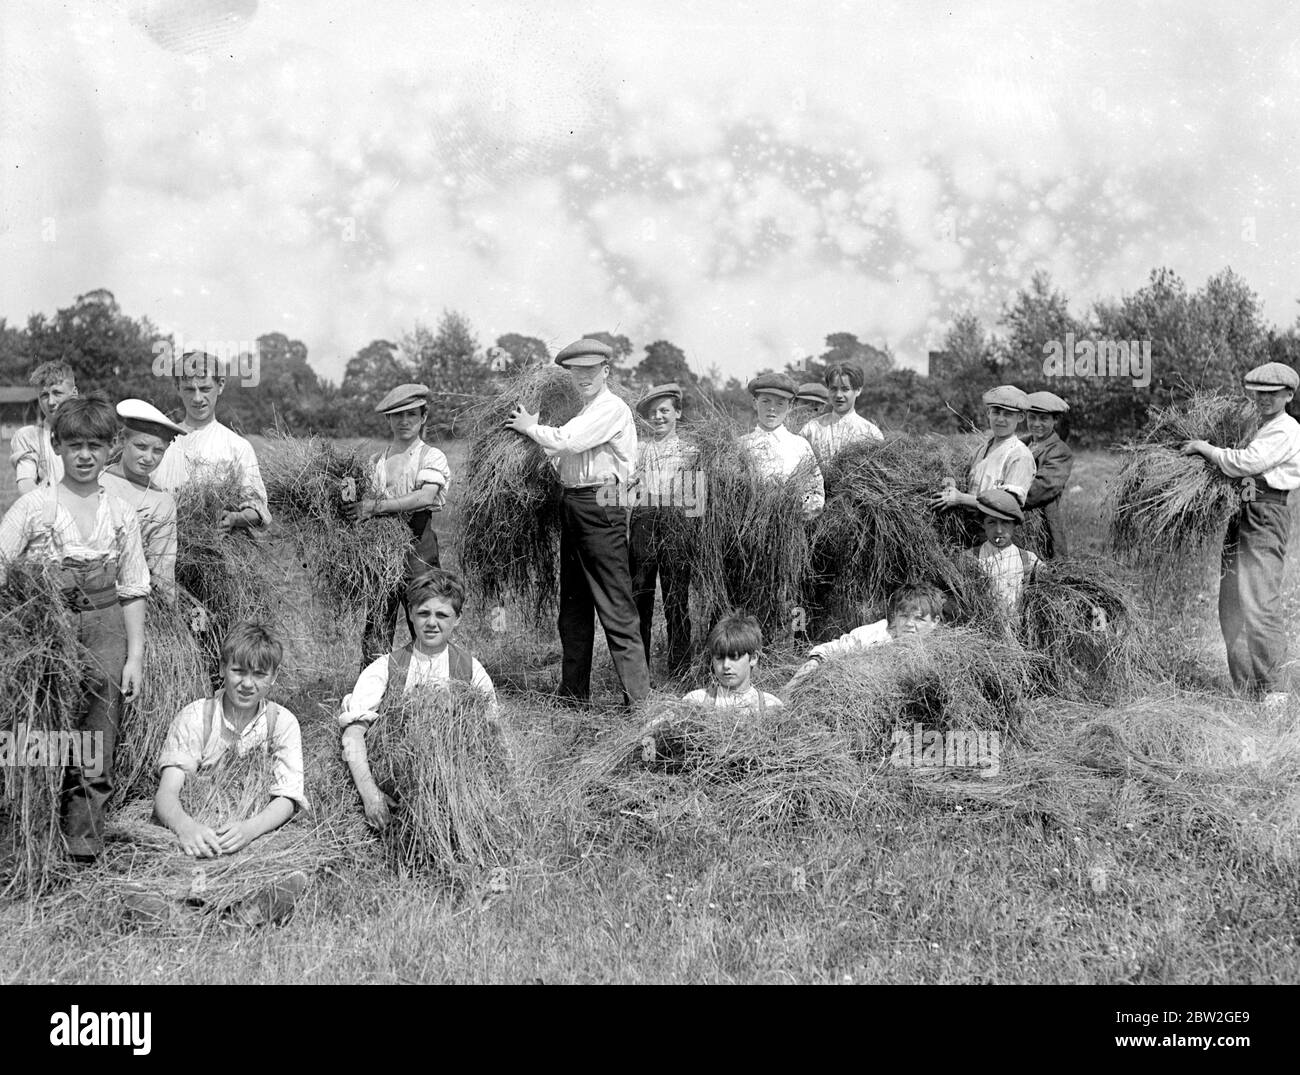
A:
[(436, 583), (48, 374), (251, 645)]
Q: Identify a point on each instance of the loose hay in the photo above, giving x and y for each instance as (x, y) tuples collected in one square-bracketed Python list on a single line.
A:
[(41, 667), (1165, 503), (447, 766)]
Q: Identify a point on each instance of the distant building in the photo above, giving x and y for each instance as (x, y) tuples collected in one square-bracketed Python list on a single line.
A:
[(18, 407)]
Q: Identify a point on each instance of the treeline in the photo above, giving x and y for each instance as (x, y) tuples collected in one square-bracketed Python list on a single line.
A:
[(1196, 340)]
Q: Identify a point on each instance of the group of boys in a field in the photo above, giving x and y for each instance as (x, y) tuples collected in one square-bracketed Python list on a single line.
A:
[(110, 534)]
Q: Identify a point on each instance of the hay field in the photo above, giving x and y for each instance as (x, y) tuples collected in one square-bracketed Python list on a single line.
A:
[(1152, 842)]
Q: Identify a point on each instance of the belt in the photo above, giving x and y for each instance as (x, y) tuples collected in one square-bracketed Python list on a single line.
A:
[(80, 600), (581, 490)]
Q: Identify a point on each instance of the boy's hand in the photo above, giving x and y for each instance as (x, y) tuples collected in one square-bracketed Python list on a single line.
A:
[(805, 670), (946, 497), (378, 806), (522, 420), (235, 835), (233, 520), (1197, 447), (132, 679), (198, 840)]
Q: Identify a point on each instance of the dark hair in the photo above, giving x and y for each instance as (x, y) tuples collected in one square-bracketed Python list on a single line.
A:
[(207, 366), (250, 645), (843, 369), (84, 418), (733, 635), (927, 599), (51, 373), (436, 583)]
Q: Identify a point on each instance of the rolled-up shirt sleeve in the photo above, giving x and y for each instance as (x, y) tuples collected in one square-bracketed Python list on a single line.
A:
[(362, 705), (183, 747), (1272, 446), (25, 451), (864, 637), (286, 760), (254, 491), (132, 568), (602, 423)]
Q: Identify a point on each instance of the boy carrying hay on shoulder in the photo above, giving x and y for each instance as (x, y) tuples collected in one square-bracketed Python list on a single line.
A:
[(434, 603), (914, 611), (414, 477), (34, 459), (1254, 550), (735, 645), (93, 540), (776, 451), (146, 435)]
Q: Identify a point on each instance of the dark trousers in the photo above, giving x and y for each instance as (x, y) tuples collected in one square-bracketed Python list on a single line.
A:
[(1250, 594), (658, 546), (86, 791), (381, 618), (594, 577)]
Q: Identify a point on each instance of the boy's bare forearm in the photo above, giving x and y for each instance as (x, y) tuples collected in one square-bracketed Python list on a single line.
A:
[(168, 810), (271, 817), (133, 619), (354, 753)]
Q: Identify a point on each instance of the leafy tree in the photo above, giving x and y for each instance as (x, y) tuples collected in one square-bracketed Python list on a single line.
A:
[(664, 362), (448, 361), (621, 346), (524, 350), (846, 347), (374, 371)]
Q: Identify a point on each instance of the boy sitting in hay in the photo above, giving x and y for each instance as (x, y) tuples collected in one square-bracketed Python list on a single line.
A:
[(734, 646), (434, 602), (912, 611), (1008, 566)]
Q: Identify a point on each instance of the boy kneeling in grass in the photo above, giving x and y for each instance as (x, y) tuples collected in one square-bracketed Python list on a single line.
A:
[(734, 646), (433, 602), (239, 719), (912, 611)]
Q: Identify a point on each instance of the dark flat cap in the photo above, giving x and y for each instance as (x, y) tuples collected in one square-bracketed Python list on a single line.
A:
[(670, 390), (813, 392), (777, 383), (1000, 505), (1047, 403)]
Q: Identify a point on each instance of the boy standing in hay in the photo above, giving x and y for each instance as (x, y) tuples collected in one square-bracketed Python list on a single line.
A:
[(594, 453), (146, 435), (735, 645), (207, 445), (1254, 550), (661, 529), (1053, 462), (1007, 566), (913, 611), (414, 477), (778, 453), (34, 459), (841, 425), (434, 602), (93, 539)]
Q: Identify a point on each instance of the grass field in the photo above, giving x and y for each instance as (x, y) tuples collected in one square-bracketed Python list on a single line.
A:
[(1184, 871)]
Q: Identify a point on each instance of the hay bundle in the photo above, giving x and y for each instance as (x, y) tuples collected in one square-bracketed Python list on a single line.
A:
[(752, 548), (508, 542), (1083, 618), (950, 680), (41, 667), (778, 769), (175, 674), (447, 766), (1163, 502), (351, 565)]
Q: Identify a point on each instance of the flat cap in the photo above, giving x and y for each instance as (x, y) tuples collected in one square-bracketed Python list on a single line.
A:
[(1006, 395), (585, 352), (670, 390), (813, 392), (145, 417), (1000, 504), (1047, 403), (404, 397), (1271, 377), (776, 383)]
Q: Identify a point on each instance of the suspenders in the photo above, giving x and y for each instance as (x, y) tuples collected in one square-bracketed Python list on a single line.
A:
[(762, 702), (210, 716)]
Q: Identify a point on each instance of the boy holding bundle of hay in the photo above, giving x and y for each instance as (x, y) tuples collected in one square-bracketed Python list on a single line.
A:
[(778, 453), (34, 459), (1053, 462), (93, 540), (414, 477), (1254, 550), (841, 425), (913, 611), (735, 645), (206, 445), (434, 604), (146, 435)]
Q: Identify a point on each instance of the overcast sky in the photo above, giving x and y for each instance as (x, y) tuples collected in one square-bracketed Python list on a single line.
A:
[(739, 178)]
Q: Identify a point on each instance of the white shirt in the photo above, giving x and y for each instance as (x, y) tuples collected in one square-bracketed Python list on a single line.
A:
[(207, 449), (1006, 571), (779, 453), (414, 467), (34, 457), (828, 433), (186, 748), (362, 705), (668, 475), (725, 699), (864, 637), (1009, 465), (597, 446), (156, 513), (1273, 455)]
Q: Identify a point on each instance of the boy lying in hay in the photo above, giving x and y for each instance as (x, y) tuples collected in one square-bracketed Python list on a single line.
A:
[(734, 645), (214, 742)]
